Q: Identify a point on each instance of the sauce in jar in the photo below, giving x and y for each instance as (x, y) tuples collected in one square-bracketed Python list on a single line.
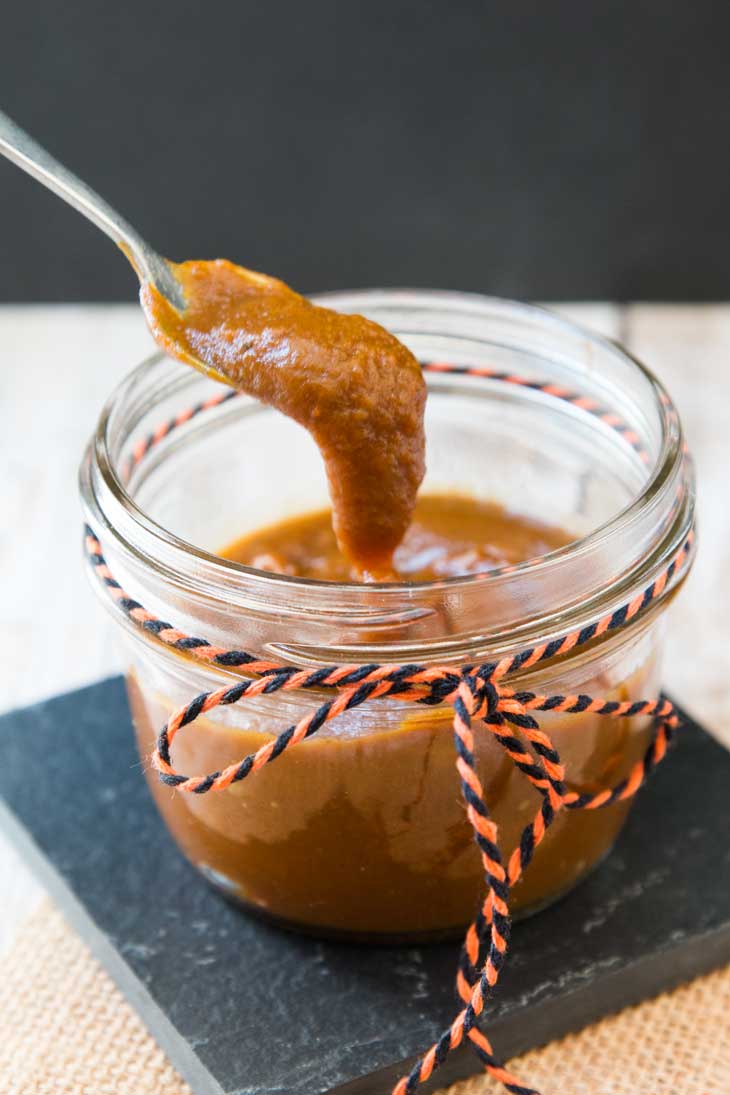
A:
[(450, 535), (361, 830)]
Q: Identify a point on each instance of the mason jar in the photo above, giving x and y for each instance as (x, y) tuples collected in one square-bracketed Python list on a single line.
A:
[(360, 831)]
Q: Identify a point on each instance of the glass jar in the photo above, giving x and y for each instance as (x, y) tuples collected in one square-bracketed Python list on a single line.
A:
[(360, 830)]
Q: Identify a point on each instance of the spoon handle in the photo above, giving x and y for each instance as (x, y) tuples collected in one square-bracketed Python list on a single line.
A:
[(19, 147)]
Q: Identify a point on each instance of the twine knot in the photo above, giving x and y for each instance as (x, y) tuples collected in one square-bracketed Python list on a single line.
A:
[(485, 693)]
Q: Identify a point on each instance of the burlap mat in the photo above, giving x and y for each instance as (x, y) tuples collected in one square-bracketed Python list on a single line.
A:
[(65, 1030)]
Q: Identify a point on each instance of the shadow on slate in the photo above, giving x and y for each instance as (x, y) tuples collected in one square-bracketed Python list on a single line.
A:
[(244, 1008)]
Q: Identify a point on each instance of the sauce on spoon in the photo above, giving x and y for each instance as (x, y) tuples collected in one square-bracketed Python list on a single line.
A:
[(356, 388)]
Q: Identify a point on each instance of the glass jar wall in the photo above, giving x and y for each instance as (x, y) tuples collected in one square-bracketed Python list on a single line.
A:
[(361, 830)]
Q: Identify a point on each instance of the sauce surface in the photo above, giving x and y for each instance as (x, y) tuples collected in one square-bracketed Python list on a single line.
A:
[(450, 535), (354, 386)]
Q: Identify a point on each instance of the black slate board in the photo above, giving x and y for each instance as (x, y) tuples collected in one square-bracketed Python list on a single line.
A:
[(247, 1009)]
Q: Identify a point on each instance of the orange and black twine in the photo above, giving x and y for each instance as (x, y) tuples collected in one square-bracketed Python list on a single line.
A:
[(477, 694)]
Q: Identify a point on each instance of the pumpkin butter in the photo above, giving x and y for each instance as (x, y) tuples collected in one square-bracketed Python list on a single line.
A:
[(361, 830), (450, 535), (356, 388)]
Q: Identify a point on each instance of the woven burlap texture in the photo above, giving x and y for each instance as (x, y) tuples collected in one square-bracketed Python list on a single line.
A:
[(65, 1030)]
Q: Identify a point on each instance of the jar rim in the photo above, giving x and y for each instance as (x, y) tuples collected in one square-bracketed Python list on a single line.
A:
[(175, 554)]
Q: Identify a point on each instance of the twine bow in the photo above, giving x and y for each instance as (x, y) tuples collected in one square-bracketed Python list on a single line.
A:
[(476, 693)]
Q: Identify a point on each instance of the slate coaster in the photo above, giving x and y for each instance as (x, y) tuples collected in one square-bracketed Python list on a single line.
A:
[(244, 1008)]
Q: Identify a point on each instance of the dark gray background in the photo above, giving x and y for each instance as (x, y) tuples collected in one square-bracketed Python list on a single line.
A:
[(552, 149)]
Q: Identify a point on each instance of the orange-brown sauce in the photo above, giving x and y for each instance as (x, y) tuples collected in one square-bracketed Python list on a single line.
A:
[(364, 832), (352, 384), (362, 829), (450, 534)]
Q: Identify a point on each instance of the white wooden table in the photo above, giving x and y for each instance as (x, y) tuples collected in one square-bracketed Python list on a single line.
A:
[(60, 364)]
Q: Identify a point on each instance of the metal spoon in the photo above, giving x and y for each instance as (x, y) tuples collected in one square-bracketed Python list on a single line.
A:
[(148, 265)]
